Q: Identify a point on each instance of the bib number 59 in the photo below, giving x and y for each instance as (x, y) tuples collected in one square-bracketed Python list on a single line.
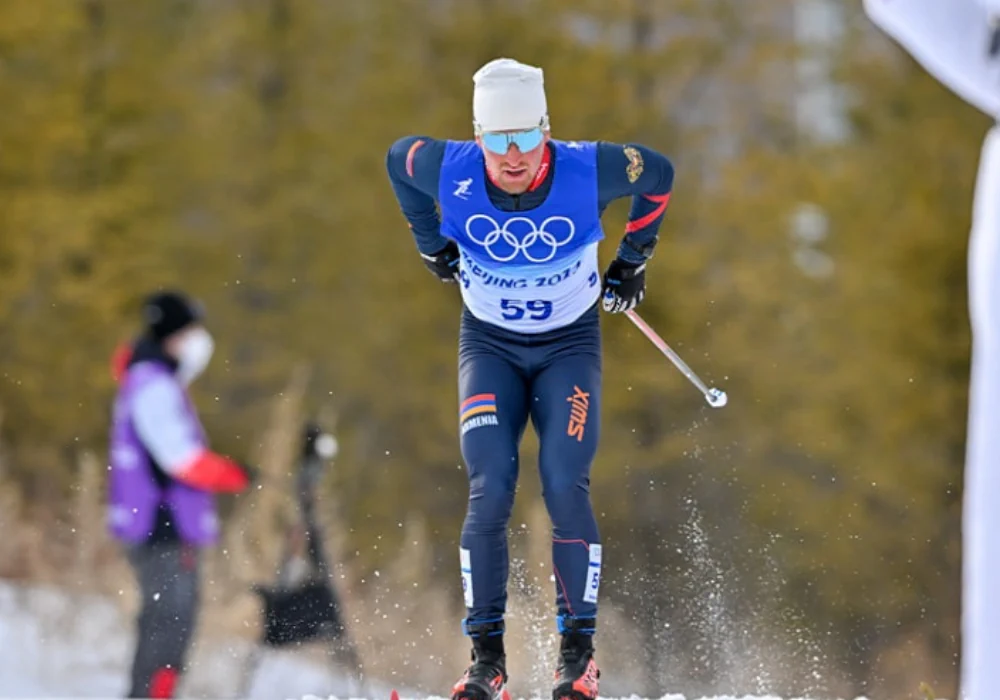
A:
[(515, 309)]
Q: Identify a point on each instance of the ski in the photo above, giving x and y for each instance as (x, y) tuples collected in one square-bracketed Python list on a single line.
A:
[(394, 695)]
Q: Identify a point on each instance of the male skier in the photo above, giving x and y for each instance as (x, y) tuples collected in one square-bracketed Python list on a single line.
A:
[(958, 42), (518, 230)]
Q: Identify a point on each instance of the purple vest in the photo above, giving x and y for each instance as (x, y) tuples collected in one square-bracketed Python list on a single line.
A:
[(134, 494)]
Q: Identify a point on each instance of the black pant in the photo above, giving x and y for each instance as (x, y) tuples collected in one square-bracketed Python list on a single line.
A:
[(167, 573), (553, 379)]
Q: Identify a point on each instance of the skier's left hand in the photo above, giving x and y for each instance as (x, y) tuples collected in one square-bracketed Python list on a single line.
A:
[(624, 286)]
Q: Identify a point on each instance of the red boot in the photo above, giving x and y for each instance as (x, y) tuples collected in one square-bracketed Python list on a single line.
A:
[(577, 673), (486, 678)]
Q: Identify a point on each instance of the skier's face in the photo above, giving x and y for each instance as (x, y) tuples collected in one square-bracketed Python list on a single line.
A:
[(514, 170)]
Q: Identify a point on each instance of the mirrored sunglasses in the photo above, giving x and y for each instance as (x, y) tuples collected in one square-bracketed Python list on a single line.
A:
[(500, 141)]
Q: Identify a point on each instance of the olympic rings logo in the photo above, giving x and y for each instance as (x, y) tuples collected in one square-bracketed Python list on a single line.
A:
[(519, 234)]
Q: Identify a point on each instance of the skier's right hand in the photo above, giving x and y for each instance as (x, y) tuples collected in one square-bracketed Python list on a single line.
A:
[(444, 263)]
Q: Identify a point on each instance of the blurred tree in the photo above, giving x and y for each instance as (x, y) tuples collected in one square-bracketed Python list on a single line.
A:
[(75, 205)]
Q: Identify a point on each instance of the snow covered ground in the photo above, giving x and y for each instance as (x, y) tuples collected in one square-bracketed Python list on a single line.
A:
[(59, 645)]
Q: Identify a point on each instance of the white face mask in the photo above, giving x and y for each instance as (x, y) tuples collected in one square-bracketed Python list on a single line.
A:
[(193, 354)]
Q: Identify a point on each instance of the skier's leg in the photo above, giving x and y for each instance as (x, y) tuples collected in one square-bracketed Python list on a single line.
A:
[(168, 580), (565, 410), (493, 412), (566, 413), (492, 417)]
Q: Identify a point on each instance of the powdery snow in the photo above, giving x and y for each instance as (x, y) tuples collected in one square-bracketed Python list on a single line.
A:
[(58, 645)]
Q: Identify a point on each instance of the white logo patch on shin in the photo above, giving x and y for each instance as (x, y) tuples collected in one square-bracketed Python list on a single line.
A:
[(465, 559), (593, 574)]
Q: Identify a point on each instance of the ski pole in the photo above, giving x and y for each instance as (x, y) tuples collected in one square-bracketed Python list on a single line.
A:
[(716, 398)]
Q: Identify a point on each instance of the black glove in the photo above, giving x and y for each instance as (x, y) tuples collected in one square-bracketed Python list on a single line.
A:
[(624, 286), (444, 263)]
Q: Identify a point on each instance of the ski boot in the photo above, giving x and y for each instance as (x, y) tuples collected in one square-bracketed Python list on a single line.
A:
[(486, 678), (576, 673)]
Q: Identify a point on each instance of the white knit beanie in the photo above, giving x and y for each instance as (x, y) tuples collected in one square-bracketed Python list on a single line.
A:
[(508, 95)]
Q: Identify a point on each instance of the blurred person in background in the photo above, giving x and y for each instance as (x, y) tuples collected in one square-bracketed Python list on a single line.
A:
[(162, 485), (958, 42), (518, 231)]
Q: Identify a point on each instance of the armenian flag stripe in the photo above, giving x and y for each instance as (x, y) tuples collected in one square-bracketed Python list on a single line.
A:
[(480, 403)]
